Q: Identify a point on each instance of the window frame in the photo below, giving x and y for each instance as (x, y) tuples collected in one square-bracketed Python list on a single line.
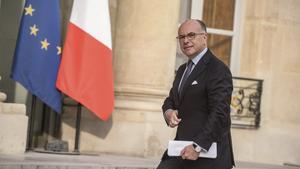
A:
[(197, 13)]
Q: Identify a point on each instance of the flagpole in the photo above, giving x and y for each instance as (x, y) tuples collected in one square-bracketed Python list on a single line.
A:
[(77, 134), (30, 124), (57, 133)]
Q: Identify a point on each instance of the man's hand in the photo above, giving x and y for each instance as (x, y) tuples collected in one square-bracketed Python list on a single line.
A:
[(189, 153), (172, 117)]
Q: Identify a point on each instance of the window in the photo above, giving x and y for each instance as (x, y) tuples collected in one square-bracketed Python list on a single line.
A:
[(222, 18)]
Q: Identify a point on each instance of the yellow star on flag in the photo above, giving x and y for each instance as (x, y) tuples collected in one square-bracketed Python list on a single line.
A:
[(45, 44), (58, 50), (34, 30), (29, 10)]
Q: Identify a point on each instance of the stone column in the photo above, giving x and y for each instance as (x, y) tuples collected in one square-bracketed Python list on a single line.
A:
[(144, 63), (144, 53), (145, 46)]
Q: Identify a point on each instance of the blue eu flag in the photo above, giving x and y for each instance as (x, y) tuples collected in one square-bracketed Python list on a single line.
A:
[(38, 51)]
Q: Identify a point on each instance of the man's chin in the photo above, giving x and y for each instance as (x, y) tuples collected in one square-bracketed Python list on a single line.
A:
[(189, 54)]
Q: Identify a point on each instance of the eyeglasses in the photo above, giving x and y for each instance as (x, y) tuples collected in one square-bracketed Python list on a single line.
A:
[(189, 36)]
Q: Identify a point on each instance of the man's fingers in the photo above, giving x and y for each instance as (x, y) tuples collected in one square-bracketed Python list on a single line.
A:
[(177, 120), (174, 120), (188, 153), (172, 125), (182, 152)]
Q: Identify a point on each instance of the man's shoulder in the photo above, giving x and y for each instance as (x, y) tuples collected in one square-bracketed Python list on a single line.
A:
[(217, 65), (181, 67), (217, 61)]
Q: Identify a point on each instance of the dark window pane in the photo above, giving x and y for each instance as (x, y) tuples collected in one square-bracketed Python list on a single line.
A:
[(219, 14), (220, 46)]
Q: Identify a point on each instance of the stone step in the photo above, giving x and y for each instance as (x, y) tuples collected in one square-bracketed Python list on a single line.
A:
[(13, 133), (61, 161), (95, 161), (13, 108), (66, 167), (13, 130)]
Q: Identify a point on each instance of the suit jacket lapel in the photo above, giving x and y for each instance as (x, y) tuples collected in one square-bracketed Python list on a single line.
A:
[(200, 67), (176, 83)]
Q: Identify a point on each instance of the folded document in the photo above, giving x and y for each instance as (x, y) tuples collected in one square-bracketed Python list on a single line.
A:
[(175, 147)]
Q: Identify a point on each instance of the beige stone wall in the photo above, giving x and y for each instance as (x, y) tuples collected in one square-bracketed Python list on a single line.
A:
[(270, 51)]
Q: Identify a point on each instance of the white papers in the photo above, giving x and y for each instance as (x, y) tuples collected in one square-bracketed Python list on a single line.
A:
[(175, 147)]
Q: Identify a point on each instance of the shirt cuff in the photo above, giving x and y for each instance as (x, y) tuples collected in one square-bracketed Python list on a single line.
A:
[(202, 149)]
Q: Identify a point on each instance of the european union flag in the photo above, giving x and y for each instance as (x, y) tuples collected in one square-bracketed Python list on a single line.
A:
[(38, 51)]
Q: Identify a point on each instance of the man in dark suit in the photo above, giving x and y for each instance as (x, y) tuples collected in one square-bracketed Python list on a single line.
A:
[(199, 104)]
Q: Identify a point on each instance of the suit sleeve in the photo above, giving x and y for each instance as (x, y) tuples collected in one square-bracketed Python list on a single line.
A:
[(169, 102), (219, 90)]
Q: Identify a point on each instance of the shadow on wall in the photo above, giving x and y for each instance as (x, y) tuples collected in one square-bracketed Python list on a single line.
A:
[(89, 121), (10, 15)]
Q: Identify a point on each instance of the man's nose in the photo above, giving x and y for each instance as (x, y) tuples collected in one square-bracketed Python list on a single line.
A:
[(185, 40)]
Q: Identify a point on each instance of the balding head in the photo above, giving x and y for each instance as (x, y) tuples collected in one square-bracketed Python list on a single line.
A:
[(196, 23)]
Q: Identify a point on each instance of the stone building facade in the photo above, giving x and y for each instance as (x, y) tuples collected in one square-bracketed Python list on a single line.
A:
[(144, 61)]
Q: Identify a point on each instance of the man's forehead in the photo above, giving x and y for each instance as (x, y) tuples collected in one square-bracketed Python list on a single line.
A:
[(189, 26)]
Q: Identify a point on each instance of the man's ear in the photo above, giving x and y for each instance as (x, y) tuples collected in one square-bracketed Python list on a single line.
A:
[(205, 36)]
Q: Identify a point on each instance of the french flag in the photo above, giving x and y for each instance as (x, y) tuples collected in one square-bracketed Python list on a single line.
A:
[(85, 72)]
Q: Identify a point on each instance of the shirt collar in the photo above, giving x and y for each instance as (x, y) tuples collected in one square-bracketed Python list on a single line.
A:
[(196, 59)]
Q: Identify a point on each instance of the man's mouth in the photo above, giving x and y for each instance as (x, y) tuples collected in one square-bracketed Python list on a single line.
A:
[(187, 47)]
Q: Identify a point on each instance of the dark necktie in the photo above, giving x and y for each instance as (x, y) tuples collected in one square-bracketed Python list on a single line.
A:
[(186, 75)]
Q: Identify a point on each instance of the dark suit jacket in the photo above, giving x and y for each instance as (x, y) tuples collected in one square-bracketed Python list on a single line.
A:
[(205, 110)]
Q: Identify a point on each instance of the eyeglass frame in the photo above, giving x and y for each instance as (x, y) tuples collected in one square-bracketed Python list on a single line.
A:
[(189, 36)]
